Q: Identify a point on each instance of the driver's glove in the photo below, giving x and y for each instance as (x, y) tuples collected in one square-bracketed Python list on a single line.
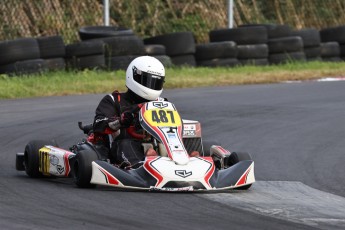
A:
[(126, 119)]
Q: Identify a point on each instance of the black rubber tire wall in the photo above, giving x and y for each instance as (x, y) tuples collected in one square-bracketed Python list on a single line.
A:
[(333, 34), (155, 50), (254, 61), (274, 30), (123, 45), (87, 62), (119, 62), (218, 62), (92, 32), (85, 48), (175, 43), (51, 47), (252, 51), (330, 49), (33, 66), (166, 60), (241, 35), (184, 60), (286, 57), (226, 49), (18, 50), (55, 64), (287, 44), (312, 52), (310, 37)]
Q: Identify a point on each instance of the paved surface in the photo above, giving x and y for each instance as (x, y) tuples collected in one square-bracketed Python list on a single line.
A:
[(295, 133)]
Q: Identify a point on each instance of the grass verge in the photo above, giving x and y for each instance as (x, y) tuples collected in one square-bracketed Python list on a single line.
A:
[(88, 82)]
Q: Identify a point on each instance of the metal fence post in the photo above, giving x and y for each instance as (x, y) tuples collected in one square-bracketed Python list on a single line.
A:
[(230, 13), (106, 12)]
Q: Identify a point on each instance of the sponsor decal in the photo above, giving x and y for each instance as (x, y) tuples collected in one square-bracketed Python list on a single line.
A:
[(160, 104), (189, 127), (171, 135), (60, 169), (183, 173), (189, 133), (54, 160)]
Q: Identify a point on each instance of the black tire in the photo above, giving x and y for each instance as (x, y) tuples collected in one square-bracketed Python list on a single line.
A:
[(342, 50), (226, 49), (154, 50), (31, 157), (82, 168), (92, 32), (166, 60), (241, 35), (87, 62), (236, 157), (184, 60), (256, 61), (252, 51), (312, 52), (330, 49), (18, 50), (206, 145), (219, 62), (35, 66), (286, 57), (119, 62), (336, 34), (179, 43), (274, 30), (51, 47), (310, 37), (55, 64), (85, 48), (287, 44), (123, 45)]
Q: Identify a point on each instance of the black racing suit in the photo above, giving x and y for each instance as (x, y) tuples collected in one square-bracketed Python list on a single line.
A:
[(124, 149)]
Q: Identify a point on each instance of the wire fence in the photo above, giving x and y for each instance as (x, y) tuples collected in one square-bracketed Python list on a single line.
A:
[(33, 18)]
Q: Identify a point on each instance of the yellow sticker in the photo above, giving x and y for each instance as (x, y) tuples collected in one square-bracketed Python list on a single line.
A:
[(162, 117)]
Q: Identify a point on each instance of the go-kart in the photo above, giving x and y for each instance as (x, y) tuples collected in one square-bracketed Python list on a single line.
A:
[(172, 169)]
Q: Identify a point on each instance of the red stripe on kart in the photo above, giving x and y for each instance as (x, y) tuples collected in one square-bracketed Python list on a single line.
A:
[(223, 150), (67, 166), (243, 178), (210, 171), (150, 169), (110, 178)]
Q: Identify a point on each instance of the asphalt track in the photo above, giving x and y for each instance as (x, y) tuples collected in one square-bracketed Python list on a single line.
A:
[(295, 133)]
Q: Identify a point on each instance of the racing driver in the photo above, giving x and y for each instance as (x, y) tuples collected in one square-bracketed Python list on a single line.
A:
[(118, 112)]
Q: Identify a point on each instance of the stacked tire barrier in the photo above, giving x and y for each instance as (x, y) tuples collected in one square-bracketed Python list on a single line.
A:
[(113, 48), (31, 56), (282, 46), (335, 34), (85, 55), (251, 43), (311, 43), (159, 52), (180, 47), (215, 54), (330, 51)]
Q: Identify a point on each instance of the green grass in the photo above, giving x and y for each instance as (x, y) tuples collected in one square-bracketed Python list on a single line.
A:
[(89, 82)]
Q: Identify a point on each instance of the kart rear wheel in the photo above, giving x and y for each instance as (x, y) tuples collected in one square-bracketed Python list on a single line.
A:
[(31, 157), (82, 168), (236, 157)]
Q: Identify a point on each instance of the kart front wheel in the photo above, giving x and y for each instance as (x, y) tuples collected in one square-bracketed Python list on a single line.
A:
[(31, 157), (236, 157), (82, 168)]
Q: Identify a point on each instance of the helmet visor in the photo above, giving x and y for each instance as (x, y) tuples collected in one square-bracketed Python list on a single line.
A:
[(148, 80)]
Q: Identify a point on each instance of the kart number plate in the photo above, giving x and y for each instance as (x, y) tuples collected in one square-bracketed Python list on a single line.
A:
[(162, 117)]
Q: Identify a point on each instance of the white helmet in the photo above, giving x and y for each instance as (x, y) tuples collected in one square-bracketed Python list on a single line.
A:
[(145, 77)]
